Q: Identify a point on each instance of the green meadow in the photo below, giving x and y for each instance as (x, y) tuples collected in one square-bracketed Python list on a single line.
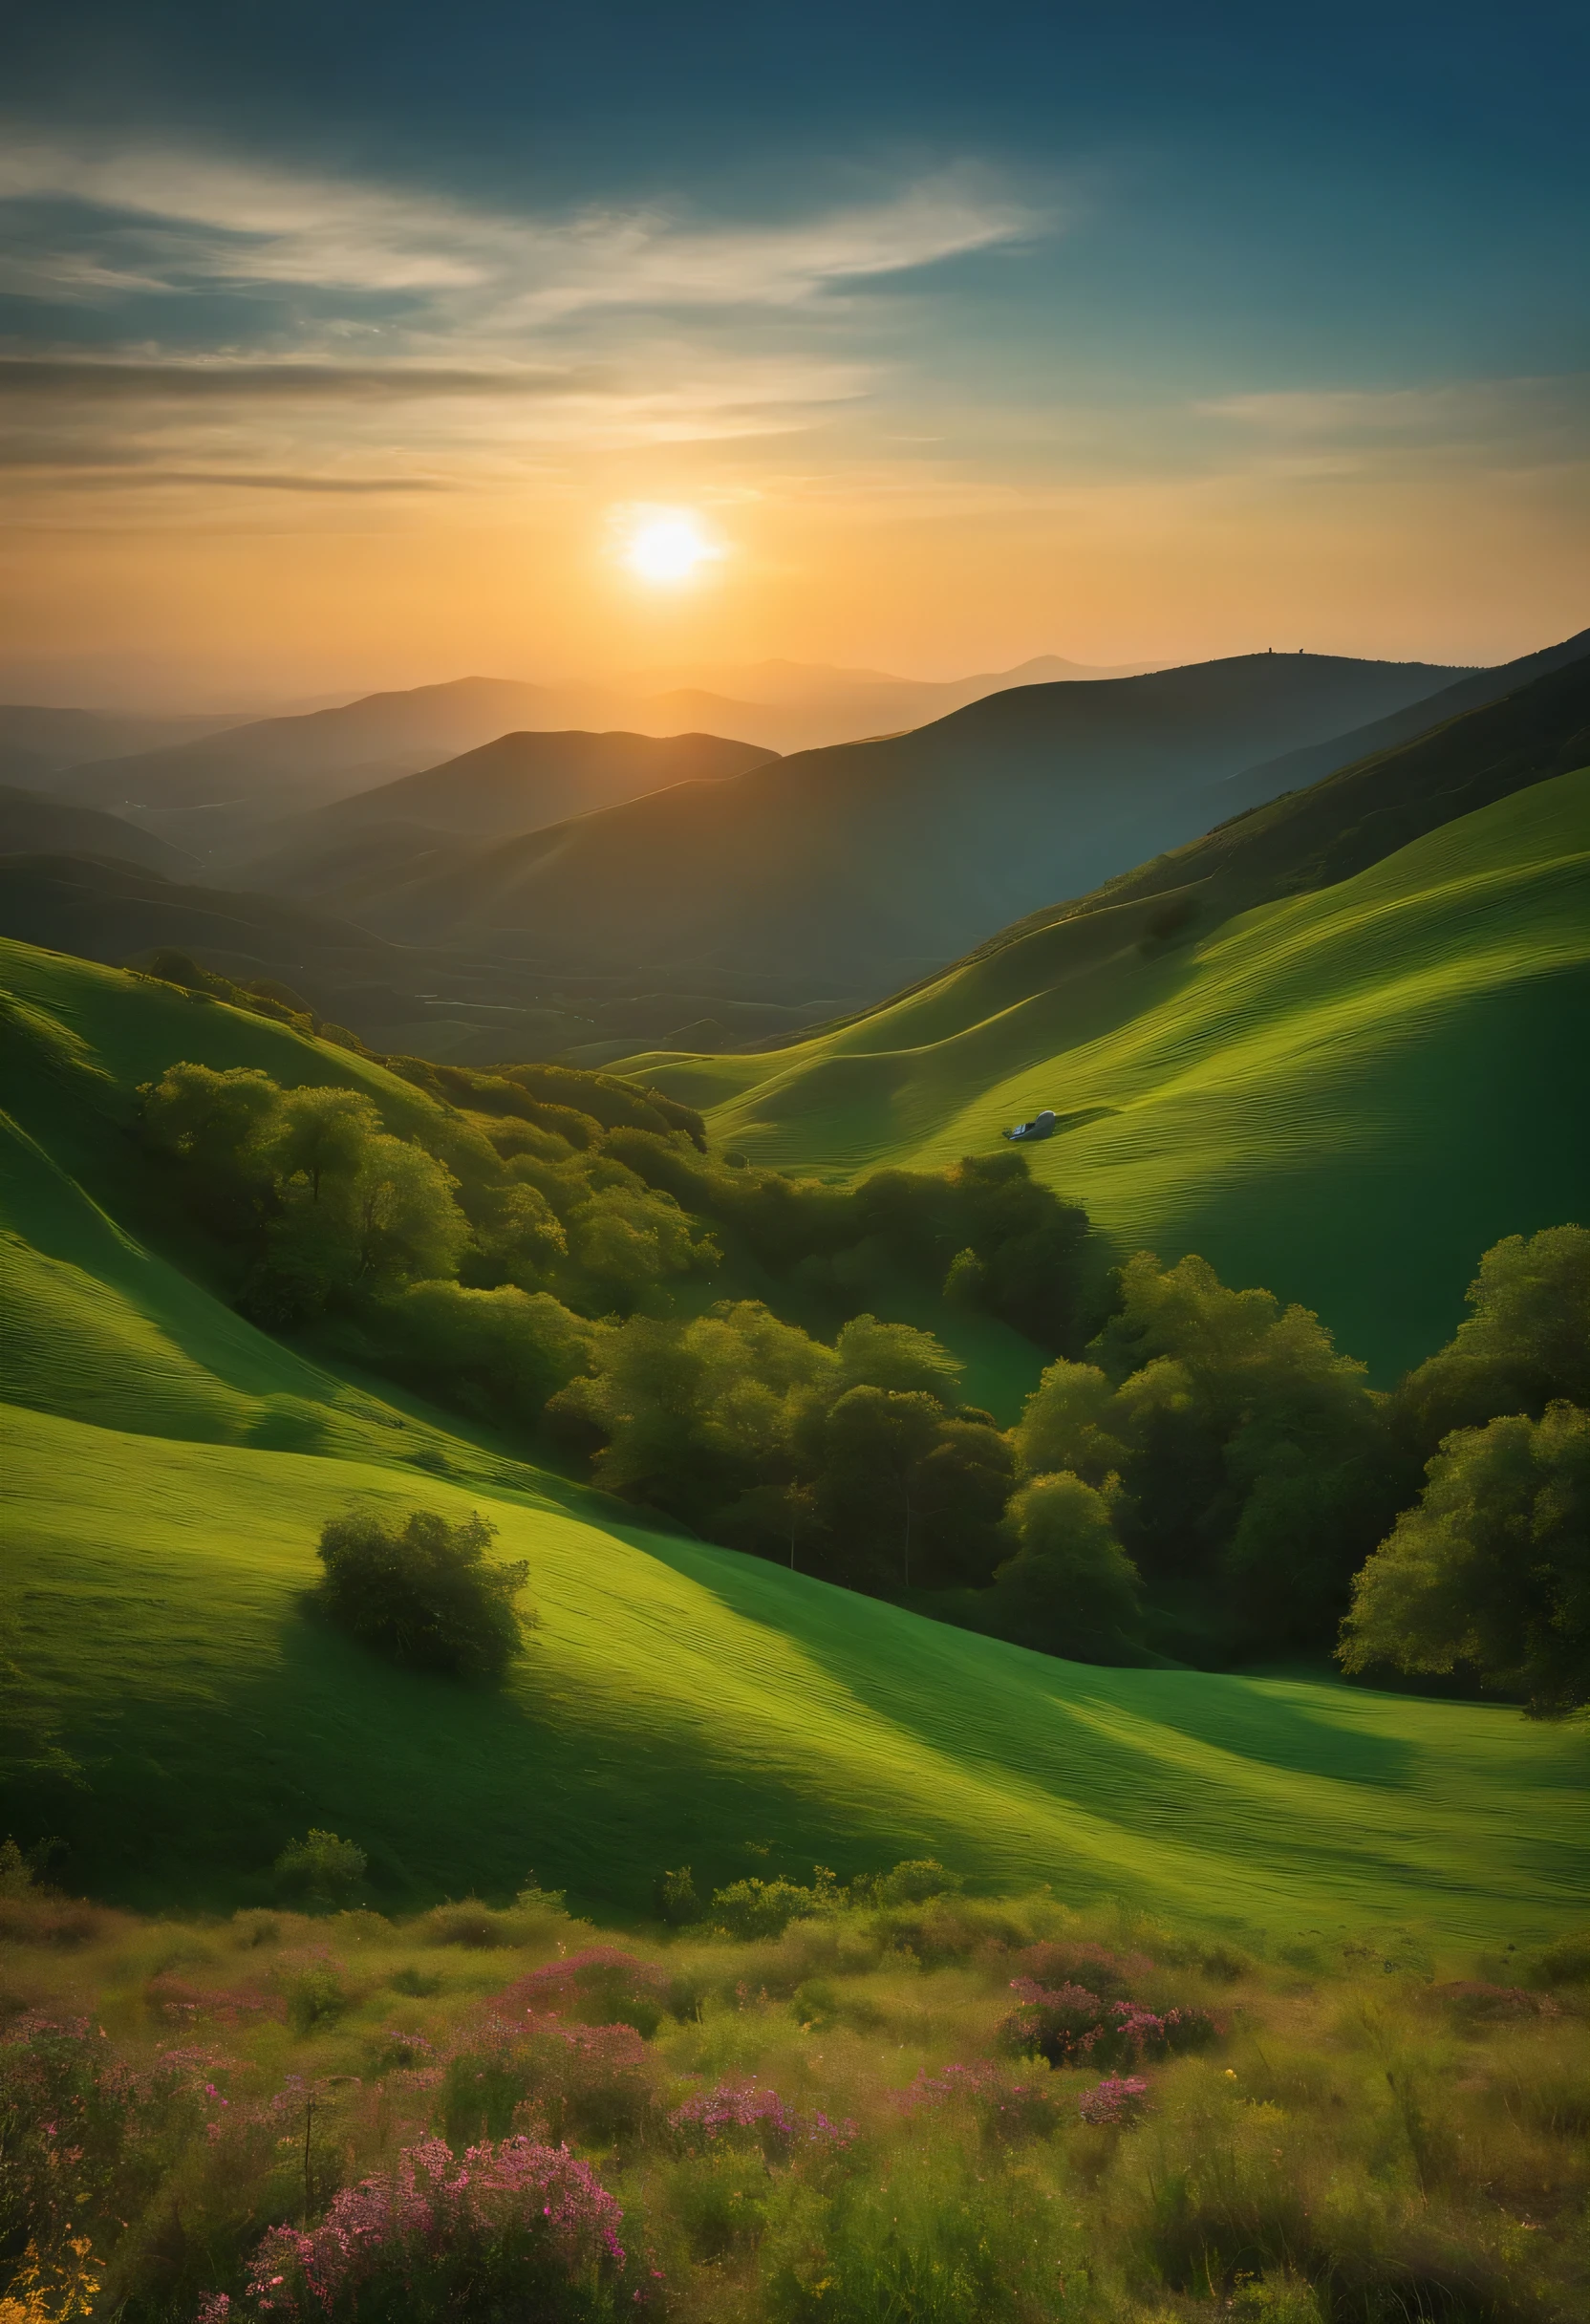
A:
[(1345, 1096), (168, 1469)]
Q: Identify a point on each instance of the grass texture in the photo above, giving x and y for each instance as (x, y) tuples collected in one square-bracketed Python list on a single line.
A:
[(1345, 1096), (168, 1469)]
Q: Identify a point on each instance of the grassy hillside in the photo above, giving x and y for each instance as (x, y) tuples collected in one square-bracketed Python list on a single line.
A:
[(1345, 1096), (168, 1469)]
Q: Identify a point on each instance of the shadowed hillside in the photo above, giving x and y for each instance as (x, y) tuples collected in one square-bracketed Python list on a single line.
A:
[(518, 783), (882, 858), (34, 824)]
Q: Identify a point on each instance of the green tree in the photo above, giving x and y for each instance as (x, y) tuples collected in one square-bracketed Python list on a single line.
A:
[(220, 1125), (1491, 1568), (1258, 1464), (1068, 1422), (964, 1482), (898, 1357), (1526, 1340), (1070, 1588), (320, 1134), (873, 1446), (503, 1352), (424, 1595)]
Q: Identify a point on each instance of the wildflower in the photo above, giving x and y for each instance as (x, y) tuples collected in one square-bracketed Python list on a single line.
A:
[(1118, 2099)]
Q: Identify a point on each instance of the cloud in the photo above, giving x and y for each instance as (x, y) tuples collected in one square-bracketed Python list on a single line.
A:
[(108, 222), (214, 379), (1467, 412)]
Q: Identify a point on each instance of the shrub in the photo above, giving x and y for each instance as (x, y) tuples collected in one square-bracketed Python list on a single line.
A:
[(674, 1894), (602, 1985), (764, 1908), (315, 1994), (516, 2227), (594, 2082), (1117, 2100), (748, 2113), (320, 1869), (425, 1595), (1071, 2027), (916, 1881)]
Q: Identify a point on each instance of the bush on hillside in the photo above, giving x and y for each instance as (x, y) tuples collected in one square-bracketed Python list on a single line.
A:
[(426, 1596), (320, 1869)]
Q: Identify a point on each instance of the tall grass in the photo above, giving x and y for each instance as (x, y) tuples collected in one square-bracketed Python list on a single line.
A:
[(484, 2115)]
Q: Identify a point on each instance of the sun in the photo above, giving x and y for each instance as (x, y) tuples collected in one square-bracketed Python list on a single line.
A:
[(666, 545)]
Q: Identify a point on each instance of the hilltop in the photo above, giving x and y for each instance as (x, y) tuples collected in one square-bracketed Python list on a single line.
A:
[(170, 1467), (517, 783), (879, 859)]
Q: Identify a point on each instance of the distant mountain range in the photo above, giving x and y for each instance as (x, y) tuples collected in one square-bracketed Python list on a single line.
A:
[(878, 859), (729, 896), (36, 742), (228, 779)]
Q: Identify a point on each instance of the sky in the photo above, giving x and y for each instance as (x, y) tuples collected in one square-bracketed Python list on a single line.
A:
[(346, 345)]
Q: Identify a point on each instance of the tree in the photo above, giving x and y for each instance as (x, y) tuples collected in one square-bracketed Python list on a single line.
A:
[(319, 1132), (1029, 1243), (1491, 1568), (402, 1213), (1068, 1422), (873, 1444), (1070, 1588), (696, 1415), (962, 1488), (425, 1595), (504, 1352), (1526, 1342), (220, 1125), (1257, 1457), (898, 1357)]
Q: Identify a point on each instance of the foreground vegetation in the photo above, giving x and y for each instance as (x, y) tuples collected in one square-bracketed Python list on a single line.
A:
[(1209, 1482), (905, 2103)]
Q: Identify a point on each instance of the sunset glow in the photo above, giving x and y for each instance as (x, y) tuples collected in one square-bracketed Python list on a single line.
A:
[(668, 546)]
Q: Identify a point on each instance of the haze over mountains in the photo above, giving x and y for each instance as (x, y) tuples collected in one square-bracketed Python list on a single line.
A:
[(494, 904), (313, 757), (880, 858)]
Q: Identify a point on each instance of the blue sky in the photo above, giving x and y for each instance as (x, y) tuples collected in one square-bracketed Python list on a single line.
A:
[(965, 333)]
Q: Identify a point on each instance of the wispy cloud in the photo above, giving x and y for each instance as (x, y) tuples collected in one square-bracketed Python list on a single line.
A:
[(177, 221), (248, 315), (1510, 419)]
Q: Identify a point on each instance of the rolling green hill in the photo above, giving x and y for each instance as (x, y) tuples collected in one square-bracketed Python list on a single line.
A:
[(1344, 1095), (167, 1471)]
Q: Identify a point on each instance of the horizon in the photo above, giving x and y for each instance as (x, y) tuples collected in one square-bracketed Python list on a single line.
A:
[(342, 358)]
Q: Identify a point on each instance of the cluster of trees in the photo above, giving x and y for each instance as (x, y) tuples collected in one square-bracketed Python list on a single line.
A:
[(1219, 1463), (1489, 1571), (857, 1461), (1199, 1473)]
